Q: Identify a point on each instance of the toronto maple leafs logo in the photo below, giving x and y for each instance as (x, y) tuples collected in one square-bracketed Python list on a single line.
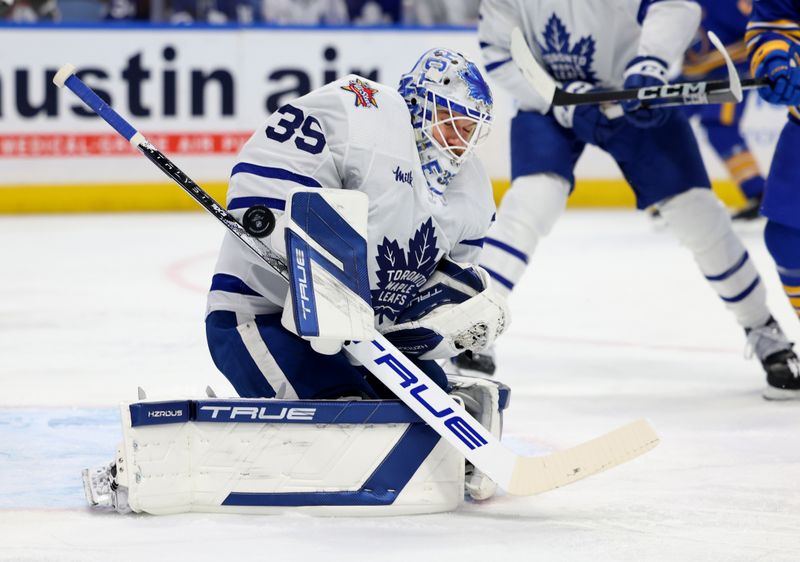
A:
[(567, 63), (401, 274), (477, 86)]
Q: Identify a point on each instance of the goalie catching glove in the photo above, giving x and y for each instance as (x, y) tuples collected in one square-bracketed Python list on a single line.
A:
[(456, 310)]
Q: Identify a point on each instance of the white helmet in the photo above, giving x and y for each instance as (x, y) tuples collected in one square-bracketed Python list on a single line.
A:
[(446, 92)]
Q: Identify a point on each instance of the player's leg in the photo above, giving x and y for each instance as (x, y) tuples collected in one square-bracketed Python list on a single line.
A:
[(262, 359), (543, 156), (782, 236), (722, 123), (782, 209), (664, 166)]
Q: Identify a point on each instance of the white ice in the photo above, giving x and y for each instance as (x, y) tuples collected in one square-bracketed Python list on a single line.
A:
[(613, 322)]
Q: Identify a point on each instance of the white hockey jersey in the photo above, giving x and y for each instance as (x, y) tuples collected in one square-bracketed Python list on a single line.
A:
[(587, 40), (352, 134)]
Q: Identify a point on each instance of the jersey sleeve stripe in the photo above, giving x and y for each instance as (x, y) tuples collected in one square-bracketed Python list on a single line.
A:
[(274, 173), (493, 65), (765, 49), (701, 66), (478, 242)]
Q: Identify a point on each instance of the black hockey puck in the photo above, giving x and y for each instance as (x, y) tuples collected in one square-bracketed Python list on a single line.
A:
[(258, 221)]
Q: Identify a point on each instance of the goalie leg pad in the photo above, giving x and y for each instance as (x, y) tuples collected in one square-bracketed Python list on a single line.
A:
[(273, 456), (702, 224)]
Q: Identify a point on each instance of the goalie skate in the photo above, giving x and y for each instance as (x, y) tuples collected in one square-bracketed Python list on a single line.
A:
[(102, 489)]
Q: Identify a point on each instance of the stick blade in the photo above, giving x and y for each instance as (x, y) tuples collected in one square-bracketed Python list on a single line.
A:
[(534, 475), (733, 75), (536, 76)]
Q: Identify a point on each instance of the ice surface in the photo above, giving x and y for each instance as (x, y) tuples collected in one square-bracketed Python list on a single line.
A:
[(612, 322)]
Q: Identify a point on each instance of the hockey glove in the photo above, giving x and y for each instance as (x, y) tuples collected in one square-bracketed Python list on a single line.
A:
[(456, 310), (589, 122), (643, 72), (784, 88)]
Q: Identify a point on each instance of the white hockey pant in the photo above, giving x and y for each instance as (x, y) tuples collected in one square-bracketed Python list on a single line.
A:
[(527, 213), (702, 224)]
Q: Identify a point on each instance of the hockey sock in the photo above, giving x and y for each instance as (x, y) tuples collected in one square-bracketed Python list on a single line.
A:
[(702, 224)]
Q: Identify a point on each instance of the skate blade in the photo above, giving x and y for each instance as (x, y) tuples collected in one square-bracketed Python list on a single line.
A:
[(92, 498), (87, 487), (780, 394)]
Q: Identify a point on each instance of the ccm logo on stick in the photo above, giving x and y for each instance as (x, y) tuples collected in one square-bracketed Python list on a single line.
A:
[(255, 413), (467, 434), (672, 91)]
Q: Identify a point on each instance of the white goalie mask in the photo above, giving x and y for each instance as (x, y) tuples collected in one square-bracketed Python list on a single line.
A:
[(451, 112)]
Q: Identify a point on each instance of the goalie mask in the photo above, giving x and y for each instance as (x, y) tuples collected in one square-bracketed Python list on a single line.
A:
[(451, 112)]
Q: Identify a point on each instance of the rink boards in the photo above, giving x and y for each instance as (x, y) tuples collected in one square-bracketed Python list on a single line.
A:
[(199, 93)]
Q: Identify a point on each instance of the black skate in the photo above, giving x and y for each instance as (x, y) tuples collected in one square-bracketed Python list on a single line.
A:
[(783, 376), (750, 211), (781, 364), (476, 364)]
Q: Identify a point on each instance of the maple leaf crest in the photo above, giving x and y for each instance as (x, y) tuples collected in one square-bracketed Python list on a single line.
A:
[(567, 63), (401, 274)]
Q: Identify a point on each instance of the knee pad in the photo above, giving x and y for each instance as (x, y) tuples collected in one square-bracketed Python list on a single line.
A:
[(697, 218), (532, 206)]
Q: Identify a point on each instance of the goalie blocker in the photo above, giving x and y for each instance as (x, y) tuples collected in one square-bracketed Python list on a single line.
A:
[(266, 456)]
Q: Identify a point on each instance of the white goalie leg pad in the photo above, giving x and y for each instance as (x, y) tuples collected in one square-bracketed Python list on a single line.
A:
[(485, 400), (702, 224), (324, 236), (527, 213), (322, 457)]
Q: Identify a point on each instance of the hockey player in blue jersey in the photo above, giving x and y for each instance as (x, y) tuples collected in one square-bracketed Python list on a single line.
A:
[(773, 44), (722, 122), (587, 44)]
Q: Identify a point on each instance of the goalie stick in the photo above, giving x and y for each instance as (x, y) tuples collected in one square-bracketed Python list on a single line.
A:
[(682, 93), (517, 474)]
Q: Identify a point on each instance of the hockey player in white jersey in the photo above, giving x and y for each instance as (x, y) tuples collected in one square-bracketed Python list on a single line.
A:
[(430, 206), (410, 246), (588, 44)]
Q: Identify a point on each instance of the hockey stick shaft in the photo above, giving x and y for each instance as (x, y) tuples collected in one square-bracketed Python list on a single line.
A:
[(516, 474), (66, 77), (683, 93)]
